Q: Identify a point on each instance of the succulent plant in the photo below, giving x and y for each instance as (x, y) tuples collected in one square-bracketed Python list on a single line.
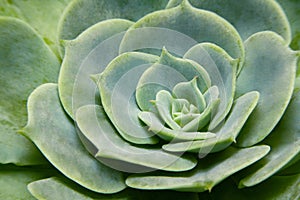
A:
[(142, 99)]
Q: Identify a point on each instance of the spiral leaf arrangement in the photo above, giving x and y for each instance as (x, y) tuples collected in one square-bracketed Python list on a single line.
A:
[(136, 99)]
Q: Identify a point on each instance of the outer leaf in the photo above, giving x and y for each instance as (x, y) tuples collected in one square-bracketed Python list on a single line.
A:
[(42, 15), (14, 181), (57, 189), (63, 149), (25, 63), (270, 69), (88, 54), (196, 24), (117, 85), (209, 172), (102, 139), (292, 9), (222, 70), (285, 145), (227, 134), (81, 14), (248, 17)]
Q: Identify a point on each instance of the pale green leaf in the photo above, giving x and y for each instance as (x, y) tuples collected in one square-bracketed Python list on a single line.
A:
[(210, 171), (162, 28), (117, 85), (101, 135), (42, 15), (25, 63), (165, 74), (284, 142), (248, 16), (155, 125), (227, 134), (64, 149), (14, 181), (88, 54), (222, 71), (270, 69), (80, 14)]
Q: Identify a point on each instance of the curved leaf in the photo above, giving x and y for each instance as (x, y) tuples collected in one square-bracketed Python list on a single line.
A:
[(14, 181), (25, 63), (80, 14), (88, 54), (117, 85), (273, 77), (196, 24), (155, 125), (222, 70), (284, 142), (248, 17), (227, 134), (165, 74), (292, 9), (208, 173), (43, 16), (108, 145), (63, 149)]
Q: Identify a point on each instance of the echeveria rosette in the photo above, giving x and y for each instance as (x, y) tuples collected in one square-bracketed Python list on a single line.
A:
[(177, 99)]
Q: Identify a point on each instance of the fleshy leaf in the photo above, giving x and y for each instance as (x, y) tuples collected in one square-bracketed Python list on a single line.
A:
[(292, 10), (155, 125), (64, 149), (14, 181), (190, 91), (209, 172), (117, 85), (222, 70), (43, 16), (88, 54), (248, 17), (284, 142), (270, 69), (25, 63), (58, 189), (80, 14), (196, 24), (240, 112), (101, 135), (165, 74)]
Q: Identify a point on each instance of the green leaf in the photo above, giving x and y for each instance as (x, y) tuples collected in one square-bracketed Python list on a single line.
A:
[(270, 69), (25, 63), (64, 149), (80, 14), (58, 189), (292, 9), (14, 181), (190, 91), (165, 74), (101, 135), (222, 70), (227, 134), (87, 55), (117, 85), (284, 142), (42, 15), (248, 17), (209, 172), (195, 24), (155, 125)]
